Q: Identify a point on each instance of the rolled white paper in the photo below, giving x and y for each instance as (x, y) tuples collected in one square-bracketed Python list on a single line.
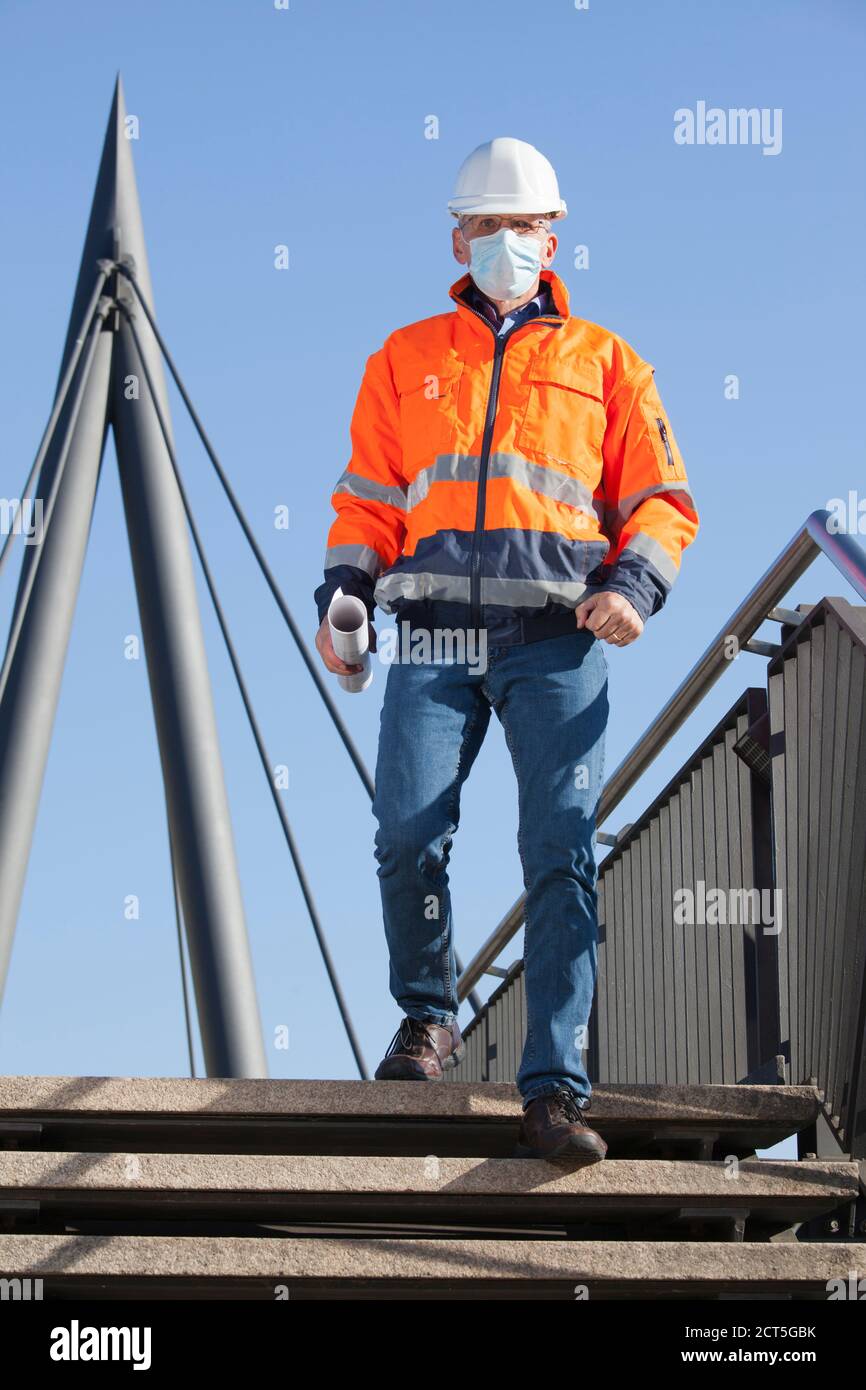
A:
[(350, 636)]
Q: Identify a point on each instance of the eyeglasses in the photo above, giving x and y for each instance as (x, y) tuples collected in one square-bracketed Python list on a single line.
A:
[(488, 225)]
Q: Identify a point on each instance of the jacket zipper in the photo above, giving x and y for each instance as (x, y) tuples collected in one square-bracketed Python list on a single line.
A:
[(486, 441), (481, 500), (664, 436)]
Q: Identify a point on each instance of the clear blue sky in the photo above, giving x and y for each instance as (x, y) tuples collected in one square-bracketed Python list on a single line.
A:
[(306, 127)]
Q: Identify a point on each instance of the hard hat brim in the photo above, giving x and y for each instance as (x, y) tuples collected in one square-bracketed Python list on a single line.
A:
[(505, 203)]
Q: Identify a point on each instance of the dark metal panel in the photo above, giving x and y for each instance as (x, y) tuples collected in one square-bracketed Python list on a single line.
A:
[(510, 1013), (674, 811), (614, 961), (660, 836), (520, 995), (779, 846), (697, 985), (611, 898), (623, 986), (850, 701), (494, 1040), (699, 845), (690, 967), (651, 866), (764, 1031), (685, 995), (505, 1025), (736, 777), (818, 742), (497, 1040), (615, 889), (724, 1060), (847, 1098), (801, 725), (812, 717), (837, 711), (640, 921), (826, 748), (790, 884), (482, 1058), (619, 957)]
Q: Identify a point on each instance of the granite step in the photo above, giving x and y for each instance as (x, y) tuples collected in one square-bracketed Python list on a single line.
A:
[(164, 1266), (180, 1115), (77, 1187)]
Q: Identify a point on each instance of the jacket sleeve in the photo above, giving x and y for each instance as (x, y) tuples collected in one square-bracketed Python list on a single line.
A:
[(370, 496), (649, 515)]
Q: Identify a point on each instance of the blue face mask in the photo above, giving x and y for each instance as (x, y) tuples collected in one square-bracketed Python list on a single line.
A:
[(505, 265)]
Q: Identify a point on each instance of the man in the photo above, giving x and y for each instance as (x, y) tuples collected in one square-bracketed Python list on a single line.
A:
[(514, 478)]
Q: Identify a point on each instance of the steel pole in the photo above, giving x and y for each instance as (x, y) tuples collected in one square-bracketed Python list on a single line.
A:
[(198, 813), (32, 689), (201, 830)]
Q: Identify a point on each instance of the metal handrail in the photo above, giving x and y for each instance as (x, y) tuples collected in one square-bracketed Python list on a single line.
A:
[(812, 539)]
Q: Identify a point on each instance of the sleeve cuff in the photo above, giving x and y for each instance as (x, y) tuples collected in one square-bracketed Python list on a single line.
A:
[(352, 581), (636, 581)]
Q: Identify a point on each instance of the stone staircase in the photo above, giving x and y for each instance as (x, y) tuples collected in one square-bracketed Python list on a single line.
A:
[(168, 1188)]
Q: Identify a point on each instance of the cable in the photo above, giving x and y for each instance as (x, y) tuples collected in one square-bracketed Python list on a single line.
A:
[(102, 310), (183, 979), (59, 401), (251, 716)]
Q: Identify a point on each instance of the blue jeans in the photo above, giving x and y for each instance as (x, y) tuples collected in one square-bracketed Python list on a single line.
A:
[(551, 699)]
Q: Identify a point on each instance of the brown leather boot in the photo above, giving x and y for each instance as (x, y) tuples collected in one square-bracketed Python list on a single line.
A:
[(554, 1127), (421, 1050)]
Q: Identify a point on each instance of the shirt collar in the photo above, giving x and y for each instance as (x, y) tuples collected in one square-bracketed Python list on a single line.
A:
[(557, 308), (539, 304)]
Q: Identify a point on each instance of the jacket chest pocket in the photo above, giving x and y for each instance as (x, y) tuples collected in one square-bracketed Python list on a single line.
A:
[(428, 420), (565, 421)]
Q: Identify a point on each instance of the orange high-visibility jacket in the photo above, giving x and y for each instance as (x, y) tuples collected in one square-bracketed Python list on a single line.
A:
[(497, 481)]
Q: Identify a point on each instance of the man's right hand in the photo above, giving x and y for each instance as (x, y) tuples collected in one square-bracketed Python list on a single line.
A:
[(325, 648)]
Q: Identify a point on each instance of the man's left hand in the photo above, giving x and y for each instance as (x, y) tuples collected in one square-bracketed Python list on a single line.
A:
[(611, 617)]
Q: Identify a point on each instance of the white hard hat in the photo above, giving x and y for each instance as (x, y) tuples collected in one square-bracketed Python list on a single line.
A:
[(506, 175)]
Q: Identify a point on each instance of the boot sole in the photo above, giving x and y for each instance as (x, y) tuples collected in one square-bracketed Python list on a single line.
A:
[(564, 1157)]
